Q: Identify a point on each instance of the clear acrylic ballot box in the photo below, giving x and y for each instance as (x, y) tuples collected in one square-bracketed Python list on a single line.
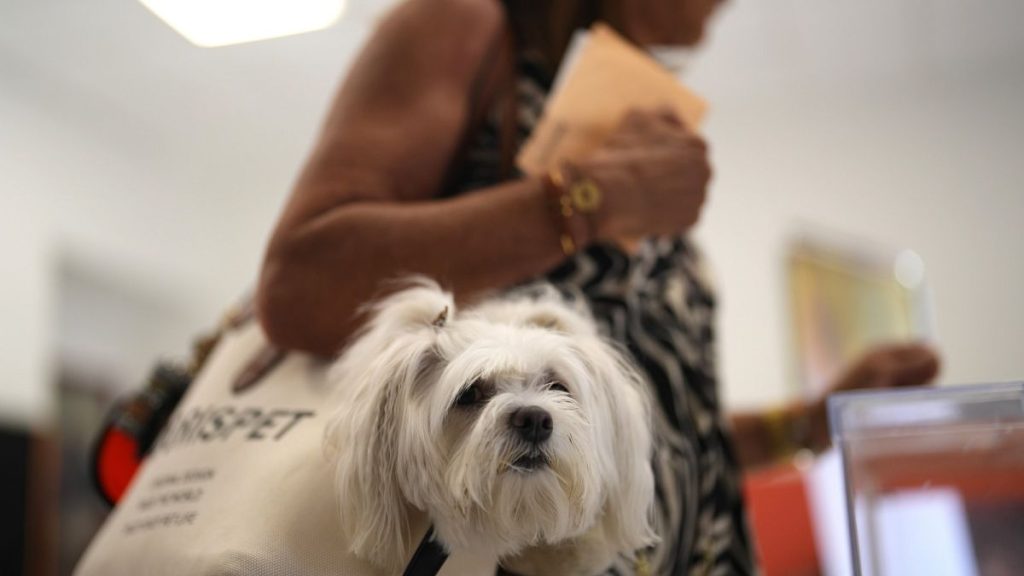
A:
[(934, 479)]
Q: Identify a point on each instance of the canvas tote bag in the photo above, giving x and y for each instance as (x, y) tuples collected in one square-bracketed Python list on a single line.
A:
[(237, 482)]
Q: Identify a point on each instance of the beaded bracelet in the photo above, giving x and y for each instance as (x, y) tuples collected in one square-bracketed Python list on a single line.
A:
[(574, 202)]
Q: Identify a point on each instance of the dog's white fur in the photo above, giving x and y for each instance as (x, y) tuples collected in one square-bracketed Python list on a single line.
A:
[(399, 441)]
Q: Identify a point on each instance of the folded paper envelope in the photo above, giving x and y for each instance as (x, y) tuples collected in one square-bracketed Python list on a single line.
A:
[(599, 83)]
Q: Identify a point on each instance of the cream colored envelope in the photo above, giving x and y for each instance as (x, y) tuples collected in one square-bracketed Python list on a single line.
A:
[(603, 76)]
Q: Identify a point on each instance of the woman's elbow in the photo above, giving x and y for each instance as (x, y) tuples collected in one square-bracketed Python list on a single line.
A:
[(286, 309), (273, 294)]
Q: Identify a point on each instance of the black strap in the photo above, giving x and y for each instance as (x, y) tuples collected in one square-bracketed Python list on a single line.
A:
[(429, 557)]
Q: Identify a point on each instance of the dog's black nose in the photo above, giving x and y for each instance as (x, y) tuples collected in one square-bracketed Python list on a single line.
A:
[(532, 423)]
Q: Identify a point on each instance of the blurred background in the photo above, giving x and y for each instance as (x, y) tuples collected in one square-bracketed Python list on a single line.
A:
[(140, 175)]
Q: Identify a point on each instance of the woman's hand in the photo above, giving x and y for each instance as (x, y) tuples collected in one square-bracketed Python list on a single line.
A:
[(653, 173), (887, 366), (890, 366)]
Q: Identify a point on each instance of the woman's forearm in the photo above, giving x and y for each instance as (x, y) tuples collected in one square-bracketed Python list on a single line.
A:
[(753, 441), (767, 437), (317, 274)]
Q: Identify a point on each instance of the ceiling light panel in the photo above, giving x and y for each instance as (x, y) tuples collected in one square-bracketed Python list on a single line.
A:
[(211, 23)]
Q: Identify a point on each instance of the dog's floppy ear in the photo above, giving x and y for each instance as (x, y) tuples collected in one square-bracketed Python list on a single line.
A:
[(360, 443), (373, 377), (630, 505)]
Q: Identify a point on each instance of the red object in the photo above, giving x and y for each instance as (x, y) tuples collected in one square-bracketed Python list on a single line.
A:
[(117, 459), (781, 521)]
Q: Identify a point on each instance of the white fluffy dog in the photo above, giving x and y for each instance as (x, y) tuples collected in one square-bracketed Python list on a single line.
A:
[(512, 425)]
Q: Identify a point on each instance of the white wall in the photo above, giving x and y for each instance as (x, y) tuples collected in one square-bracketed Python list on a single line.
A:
[(925, 157), (25, 313), (139, 179), (63, 218), (937, 172)]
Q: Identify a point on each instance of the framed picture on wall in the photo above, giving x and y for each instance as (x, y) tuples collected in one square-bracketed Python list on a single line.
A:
[(847, 295)]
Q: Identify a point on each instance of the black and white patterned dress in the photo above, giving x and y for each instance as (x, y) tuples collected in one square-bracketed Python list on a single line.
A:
[(659, 304)]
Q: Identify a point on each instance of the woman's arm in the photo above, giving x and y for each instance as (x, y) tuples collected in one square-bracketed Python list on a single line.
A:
[(771, 436), (316, 277), (764, 438), (364, 211), (360, 211)]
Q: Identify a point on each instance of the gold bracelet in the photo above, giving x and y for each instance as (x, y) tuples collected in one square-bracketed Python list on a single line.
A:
[(777, 422), (789, 433), (574, 201)]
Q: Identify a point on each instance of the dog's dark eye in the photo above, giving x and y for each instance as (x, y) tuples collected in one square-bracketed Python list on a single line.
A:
[(472, 395), (558, 387)]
